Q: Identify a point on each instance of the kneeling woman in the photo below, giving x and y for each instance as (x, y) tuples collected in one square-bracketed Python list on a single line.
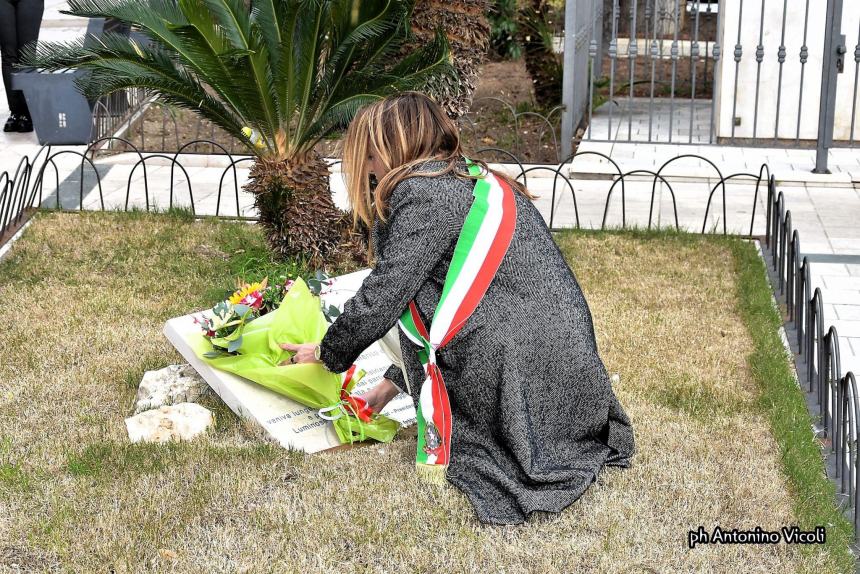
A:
[(497, 342)]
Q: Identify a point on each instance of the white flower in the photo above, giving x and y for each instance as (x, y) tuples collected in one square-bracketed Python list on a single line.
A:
[(221, 315)]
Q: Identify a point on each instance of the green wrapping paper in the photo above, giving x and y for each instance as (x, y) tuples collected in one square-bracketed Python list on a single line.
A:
[(298, 319)]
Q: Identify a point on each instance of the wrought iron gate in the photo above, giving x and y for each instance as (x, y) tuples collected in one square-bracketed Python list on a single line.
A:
[(738, 72)]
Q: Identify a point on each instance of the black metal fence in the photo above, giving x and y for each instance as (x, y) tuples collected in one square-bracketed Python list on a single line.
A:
[(711, 71), (831, 395), (26, 188), (115, 113), (835, 396), (676, 47)]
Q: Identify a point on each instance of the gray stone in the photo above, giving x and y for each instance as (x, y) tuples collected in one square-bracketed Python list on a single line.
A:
[(183, 421), (169, 386)]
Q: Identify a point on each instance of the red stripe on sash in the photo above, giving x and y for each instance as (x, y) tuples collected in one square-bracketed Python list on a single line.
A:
[(492, 262), (441, 415), (416, 318)]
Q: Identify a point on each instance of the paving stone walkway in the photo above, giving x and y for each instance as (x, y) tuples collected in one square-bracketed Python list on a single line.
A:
[(647, 120)]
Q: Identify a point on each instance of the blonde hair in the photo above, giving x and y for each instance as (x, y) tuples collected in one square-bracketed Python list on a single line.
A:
[(401, 131)]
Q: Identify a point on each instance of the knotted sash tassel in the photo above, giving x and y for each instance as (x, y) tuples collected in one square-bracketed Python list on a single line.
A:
[(432, 473)]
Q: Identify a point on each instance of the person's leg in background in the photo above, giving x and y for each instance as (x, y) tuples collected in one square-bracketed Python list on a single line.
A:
[(20, 21), (8, 55), (28, 19)]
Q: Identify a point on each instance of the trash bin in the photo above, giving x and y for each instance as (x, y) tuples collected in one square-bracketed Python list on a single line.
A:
[(61, 114)]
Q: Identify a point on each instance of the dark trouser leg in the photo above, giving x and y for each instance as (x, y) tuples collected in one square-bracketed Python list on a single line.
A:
[(8, 47), (29, 20)]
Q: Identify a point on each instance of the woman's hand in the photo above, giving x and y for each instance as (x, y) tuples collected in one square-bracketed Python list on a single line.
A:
[(381, 395), (304, 353)]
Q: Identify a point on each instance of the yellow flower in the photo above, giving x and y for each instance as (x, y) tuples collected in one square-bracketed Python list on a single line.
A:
[(244, 291)]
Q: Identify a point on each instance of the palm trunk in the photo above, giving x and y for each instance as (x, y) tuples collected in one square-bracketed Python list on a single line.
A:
[(295, 207), (468, 30)]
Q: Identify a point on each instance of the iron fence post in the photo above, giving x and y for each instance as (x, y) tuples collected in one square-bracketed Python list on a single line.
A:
[(834, 50), (568, 112)]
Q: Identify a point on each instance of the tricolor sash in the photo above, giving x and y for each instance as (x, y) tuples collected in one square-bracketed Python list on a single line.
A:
[(483, 241)]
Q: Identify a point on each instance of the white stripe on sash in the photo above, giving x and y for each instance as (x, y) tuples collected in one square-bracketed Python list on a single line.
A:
[(472, 266), (415, 339)]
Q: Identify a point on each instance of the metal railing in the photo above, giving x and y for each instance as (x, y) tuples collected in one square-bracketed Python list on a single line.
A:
[(833, 394), (116, 112), (660, 59), (28, 184), (709, 72)]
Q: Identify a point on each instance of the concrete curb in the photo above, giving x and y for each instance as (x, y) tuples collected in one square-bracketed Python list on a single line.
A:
[(4, 249)]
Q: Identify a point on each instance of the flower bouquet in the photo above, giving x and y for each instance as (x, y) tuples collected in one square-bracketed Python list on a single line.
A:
[(242, 335)]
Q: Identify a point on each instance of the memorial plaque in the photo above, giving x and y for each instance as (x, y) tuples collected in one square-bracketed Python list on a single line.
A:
[(292, 424), (373, 360)]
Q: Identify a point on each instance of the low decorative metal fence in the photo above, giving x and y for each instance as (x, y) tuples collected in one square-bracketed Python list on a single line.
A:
[(833, 394)]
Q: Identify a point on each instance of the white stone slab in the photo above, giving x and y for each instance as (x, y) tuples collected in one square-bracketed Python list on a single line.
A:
[(846, 312), (290, 423), (845, 328)]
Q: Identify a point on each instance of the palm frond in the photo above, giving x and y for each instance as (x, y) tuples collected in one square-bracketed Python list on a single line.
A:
[(235, 20), (377, 28), (307, 48), (267, 15), (145, 14), (115, 62), (294, 68), (338, 116), (112, 76), (375, 83)]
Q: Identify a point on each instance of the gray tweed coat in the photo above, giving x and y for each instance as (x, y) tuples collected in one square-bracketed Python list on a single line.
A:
[(534, 415)]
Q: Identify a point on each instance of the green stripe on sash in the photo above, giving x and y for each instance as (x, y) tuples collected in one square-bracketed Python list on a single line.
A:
[(467, 236)]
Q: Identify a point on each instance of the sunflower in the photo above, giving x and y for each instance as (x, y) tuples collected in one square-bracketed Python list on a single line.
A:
[(239, 295), (249, 293)]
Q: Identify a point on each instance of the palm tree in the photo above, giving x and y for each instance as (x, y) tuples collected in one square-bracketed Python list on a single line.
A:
[(468, 31), (279, 75), (544, 66)]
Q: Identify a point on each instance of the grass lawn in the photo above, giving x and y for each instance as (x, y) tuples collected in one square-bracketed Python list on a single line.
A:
[(722, 436)]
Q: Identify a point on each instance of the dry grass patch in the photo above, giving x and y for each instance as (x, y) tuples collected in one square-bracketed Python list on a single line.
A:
[(89, 295)]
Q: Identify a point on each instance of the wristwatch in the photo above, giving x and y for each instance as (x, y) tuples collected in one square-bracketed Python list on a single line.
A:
[(317, 357)]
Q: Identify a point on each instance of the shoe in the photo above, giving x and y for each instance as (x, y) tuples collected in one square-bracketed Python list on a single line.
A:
[(11, 124), (24, 124)]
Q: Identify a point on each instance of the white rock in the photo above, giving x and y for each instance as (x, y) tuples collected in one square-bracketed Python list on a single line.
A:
[(169, 386), (169, 423)]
